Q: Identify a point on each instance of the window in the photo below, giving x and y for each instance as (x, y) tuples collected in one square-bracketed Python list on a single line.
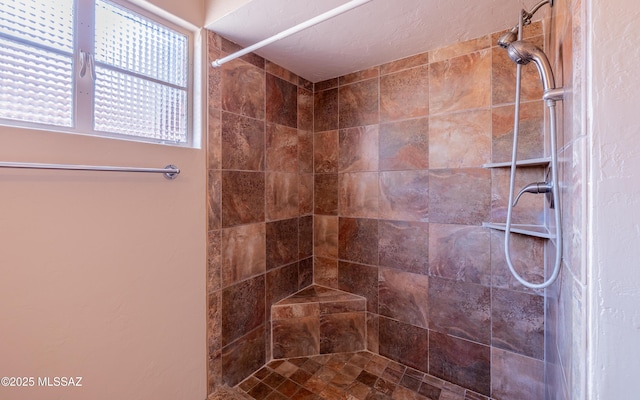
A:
[(94, 66)]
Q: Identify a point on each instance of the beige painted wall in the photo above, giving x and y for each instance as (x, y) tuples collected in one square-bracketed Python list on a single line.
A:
[(215, 9), (191, 11), (102, 275)]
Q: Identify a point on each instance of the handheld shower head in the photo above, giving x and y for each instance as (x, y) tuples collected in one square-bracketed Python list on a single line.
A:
[(522, 52), (506, 39)]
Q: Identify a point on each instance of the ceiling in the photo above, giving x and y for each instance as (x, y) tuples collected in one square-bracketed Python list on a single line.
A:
[(374, 33)]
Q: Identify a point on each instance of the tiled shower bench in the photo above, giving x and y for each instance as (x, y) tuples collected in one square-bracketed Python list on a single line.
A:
[(318, 320)]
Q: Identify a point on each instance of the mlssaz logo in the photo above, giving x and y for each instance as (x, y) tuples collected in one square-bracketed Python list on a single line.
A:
[(60, 381)]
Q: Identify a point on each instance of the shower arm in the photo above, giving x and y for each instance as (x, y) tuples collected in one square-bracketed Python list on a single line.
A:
[(527, 15), (524, 19)]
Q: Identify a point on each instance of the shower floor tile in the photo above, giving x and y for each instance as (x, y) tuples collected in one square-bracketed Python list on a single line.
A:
[(348, 376)]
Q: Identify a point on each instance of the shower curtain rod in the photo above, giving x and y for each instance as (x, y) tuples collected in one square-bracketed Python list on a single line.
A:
[(295, 29), (170, 171)]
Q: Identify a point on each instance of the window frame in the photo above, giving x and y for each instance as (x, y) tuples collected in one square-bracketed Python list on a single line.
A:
[(83, 88)]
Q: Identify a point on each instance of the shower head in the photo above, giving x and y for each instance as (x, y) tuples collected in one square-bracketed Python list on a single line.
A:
[(522, 52), (506, 39)]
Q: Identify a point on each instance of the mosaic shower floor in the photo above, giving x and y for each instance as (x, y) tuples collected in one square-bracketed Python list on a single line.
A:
[(348, 376)]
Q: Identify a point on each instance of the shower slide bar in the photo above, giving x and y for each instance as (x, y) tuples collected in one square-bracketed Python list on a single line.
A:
[(170, 171), (523, 52), (295, 29)]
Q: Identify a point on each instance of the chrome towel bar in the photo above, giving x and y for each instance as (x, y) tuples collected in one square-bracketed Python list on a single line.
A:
[(170, 171)]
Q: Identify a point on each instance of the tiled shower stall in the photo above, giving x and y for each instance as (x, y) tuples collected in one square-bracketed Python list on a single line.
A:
[(373, 184)]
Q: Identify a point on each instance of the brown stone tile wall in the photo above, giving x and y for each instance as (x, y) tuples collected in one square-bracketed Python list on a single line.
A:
[(400, 198), (373, 183), (260, 205)]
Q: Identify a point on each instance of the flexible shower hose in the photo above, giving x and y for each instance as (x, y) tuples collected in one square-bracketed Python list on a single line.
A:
[(554, 185)]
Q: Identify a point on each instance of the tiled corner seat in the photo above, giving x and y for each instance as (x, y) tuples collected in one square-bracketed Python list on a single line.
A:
[(318, 320)]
